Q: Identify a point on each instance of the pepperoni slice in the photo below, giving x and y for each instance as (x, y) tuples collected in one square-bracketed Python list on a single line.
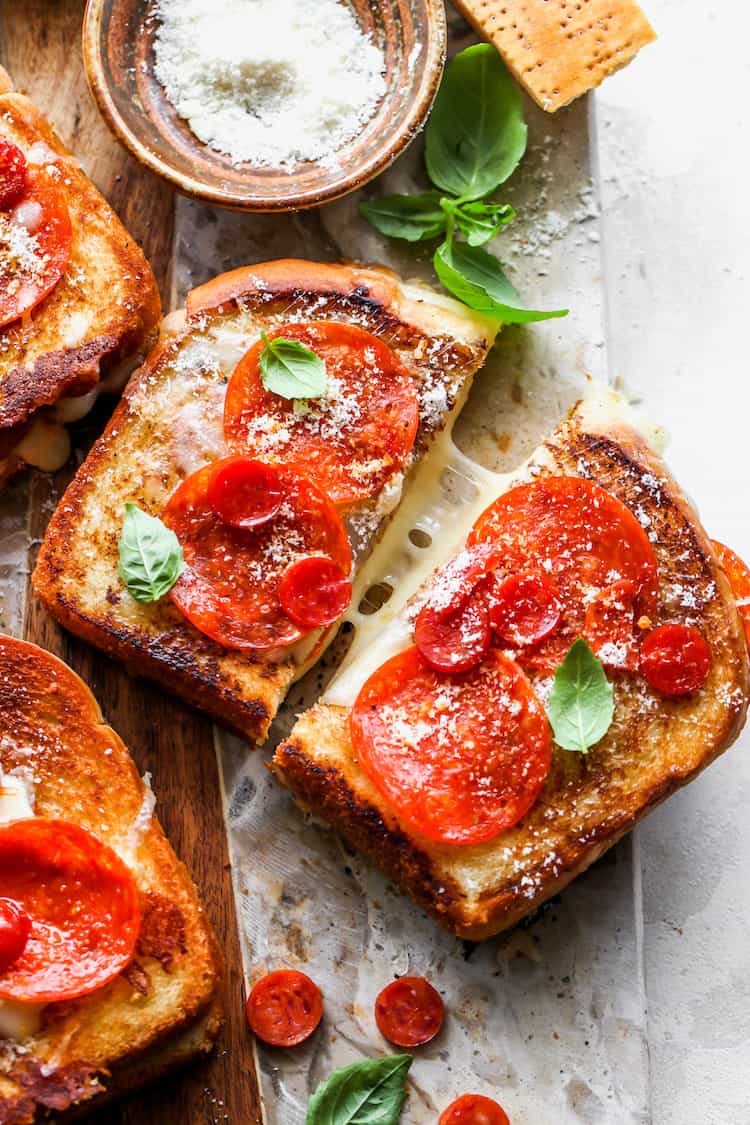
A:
[(13, 175), (459, 758), (609, 626), (284, 1008), (409, 1012), (15, 927), (35, 242), (524, 609), (315, 592), (244, 492), (82, 902), (579, 539), (230, 586), (452, 631), (350, 441), (474, 1109), (675, 659), (738, 574)]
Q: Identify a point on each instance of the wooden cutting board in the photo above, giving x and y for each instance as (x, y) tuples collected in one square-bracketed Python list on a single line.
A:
[(40, 47)]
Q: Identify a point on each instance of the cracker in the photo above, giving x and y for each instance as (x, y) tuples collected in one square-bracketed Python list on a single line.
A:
[(559, 49)]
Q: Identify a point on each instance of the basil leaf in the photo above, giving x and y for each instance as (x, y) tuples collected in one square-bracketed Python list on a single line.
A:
[(476, 134), (150, 555), (581, 704), (480, 222), (370, 1092), (289, 369), (476, 278), (412, 217)]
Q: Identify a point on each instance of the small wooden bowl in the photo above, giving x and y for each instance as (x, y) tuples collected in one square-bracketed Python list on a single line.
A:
[(118, 41)]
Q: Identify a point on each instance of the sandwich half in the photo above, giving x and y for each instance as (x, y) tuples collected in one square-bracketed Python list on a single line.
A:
[(399, 361), (432, 751), (79, 305), (114, 978)]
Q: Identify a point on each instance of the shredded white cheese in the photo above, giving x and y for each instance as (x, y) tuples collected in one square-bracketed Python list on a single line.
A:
[(273, 82)]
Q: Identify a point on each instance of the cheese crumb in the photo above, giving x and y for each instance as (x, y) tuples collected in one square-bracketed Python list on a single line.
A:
[(272, 82)]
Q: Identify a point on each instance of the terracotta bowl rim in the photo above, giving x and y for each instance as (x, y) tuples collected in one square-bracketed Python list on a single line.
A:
[(428, 83)]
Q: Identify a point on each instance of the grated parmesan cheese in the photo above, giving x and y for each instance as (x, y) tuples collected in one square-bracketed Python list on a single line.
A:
[(273, 82)]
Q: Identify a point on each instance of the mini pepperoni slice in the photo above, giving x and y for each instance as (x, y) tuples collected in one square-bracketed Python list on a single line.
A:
[(453, 640), (315, 592), (474, 1109), (524, 609), (229, 588), (15, 927), (351, 440), (13, 175), (82, 903), (738, 574), (459, 758), (675, 659), (35, 242), (284, 1008), (580, 539), (244, 492), (609, 626), (452, 630), (409, 1012)]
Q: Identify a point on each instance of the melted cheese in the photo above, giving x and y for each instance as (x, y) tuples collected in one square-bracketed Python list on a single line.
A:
[(446, 496), (45, 446), (17, 1021)]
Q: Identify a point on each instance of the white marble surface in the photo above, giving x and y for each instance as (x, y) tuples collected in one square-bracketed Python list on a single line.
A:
[(673, 144)]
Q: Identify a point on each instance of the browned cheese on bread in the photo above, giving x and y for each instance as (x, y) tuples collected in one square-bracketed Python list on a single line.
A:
[(654, 746), (559, 49), (100, 316), (164, 1008), (169, 424)]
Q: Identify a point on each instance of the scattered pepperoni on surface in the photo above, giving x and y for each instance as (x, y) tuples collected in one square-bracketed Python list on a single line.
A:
[(245, 493), (13, 175), (284, 1008), (409, 1012), (675, 659), (610, 627), (581, 540), (35, 243), (459, 758), (738, 574), (350, 441), (229, 589), (314, 592), (15, 927), (82, 902), (524, 609), (474, 1109)]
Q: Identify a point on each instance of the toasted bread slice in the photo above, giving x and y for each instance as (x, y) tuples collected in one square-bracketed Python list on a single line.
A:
[(164, 1007), (98, 321), (654, 746), (169, 424)]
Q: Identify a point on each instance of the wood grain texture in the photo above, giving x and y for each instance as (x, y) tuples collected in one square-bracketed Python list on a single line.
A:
[(40, 46)]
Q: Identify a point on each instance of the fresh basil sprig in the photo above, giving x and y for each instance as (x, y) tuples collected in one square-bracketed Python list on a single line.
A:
[(475, 139), (289, 369), (150, 555), (475, 277), (476, 134), (581, 705), (411, 217), (370, 1092)]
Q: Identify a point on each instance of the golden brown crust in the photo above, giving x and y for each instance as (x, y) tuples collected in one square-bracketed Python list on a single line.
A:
[(654, 747), (136, 459), (51, 729), (108, 289)]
